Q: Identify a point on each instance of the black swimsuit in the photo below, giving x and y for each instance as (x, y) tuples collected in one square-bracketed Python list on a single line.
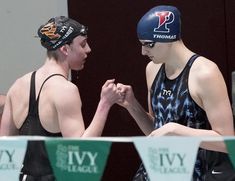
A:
[(36, 163)]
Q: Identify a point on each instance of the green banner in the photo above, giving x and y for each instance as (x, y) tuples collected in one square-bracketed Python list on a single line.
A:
[(230, 143), (75, 160)]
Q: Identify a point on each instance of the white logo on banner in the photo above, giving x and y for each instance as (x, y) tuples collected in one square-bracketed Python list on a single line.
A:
[(12, 154), (74, 160), (163, 161), (167, 158), (7, 161)]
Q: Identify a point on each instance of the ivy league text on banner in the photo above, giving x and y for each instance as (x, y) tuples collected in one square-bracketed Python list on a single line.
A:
[(78, 159)]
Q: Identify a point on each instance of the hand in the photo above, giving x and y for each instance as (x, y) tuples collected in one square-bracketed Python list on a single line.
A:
[(110, 94), (127, 93)]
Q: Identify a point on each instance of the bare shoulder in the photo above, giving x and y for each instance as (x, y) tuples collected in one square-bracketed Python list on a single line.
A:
[(20, 85), (151, 72), (65, 91), (204, 69), (64, 85), (205, 77)]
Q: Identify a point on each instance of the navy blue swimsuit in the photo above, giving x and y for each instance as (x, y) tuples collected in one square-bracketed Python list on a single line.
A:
[(171, 102)]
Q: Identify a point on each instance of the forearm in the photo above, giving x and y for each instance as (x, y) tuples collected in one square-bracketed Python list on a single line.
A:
[(180, 130), (208, 145), (97, 125), (142, 118)]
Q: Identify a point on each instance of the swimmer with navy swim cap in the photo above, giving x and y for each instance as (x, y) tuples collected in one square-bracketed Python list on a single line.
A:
[(160, 24), (185, 92)]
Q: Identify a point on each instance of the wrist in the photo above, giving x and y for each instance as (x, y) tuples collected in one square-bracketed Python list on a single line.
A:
[(132, 105), (105, 104)]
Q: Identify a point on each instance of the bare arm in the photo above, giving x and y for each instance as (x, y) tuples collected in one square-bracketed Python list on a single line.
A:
[(7, 127), (70, 117), (143, 118), (215, 101), (109, 96)]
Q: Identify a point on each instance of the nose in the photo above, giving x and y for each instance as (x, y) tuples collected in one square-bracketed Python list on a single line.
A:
[(88, 49)]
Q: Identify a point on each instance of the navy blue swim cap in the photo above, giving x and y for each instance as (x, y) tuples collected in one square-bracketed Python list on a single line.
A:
[(160, 24)]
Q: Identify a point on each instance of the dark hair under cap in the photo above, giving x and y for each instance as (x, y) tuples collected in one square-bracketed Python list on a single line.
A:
[(59, 31)]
